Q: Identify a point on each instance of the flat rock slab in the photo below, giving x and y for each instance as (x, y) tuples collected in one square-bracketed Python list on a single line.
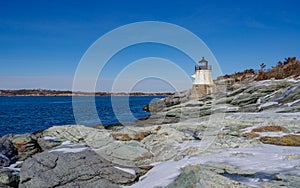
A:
[(72, 169)]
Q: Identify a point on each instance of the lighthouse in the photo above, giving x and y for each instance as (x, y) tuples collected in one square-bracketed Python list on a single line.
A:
[(203, 82)]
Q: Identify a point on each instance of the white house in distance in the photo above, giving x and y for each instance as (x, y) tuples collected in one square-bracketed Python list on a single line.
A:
[(203, 82)]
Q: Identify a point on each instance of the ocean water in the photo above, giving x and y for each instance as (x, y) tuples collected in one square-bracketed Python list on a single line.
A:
[(20, 115)]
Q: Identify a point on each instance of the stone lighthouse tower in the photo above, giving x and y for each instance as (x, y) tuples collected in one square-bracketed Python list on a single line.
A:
[(203, 82)]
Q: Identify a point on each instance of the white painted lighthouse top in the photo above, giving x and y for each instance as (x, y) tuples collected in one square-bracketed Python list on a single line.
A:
[(203, 73)]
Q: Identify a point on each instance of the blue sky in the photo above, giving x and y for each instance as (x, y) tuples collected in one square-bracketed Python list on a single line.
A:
[(42, 42)]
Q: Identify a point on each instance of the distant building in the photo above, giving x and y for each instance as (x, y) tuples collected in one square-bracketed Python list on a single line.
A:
[(203, 82)]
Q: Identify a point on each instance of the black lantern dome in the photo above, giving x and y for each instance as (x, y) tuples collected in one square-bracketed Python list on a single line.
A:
[(203, 65)]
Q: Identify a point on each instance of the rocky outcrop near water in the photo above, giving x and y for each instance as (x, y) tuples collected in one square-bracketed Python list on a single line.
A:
[(280, 95), (84, 168), (175, 99), (220, 140), (26, 145), (8, 153)]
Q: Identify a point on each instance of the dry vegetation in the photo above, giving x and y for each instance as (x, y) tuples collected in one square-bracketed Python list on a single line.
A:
[(290, 67), (239, 76), (251, 135), (125, 137), (272, 128), (288, 140)]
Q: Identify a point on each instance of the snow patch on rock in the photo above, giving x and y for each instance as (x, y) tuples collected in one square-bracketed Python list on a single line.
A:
[(262, 158), (128, 170)]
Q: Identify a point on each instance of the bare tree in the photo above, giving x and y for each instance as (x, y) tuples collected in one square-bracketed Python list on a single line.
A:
[(262, 67)]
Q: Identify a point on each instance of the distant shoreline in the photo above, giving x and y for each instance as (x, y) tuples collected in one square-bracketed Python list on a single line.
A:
[(55, 93)]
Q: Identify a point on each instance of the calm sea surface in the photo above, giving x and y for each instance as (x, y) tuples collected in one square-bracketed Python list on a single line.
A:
[(28, 114)]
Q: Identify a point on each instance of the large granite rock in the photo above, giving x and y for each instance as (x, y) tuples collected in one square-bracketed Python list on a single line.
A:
[(26, 145), (70, 168), (122, 147), (47, 142), (8, 153), (205, 176), (172, 100), (8, 178)]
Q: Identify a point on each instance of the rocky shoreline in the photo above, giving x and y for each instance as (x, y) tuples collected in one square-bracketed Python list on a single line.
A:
[(246, 137)]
